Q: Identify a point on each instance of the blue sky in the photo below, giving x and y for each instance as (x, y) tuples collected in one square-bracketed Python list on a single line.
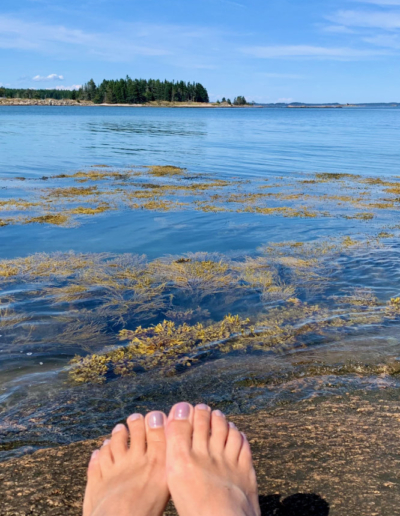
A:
[(267, 50)]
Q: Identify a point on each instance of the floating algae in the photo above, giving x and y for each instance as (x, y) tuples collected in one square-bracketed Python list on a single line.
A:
[(175, 310), (175, 189)]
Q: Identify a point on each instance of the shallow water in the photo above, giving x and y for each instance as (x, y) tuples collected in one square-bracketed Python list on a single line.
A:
[(348, 341)]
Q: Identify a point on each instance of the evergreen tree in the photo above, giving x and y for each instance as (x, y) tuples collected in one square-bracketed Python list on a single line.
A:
[(240, 101), (122, 91)]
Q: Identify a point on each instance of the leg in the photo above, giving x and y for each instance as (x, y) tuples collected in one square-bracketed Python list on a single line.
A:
[(129, 478), (209, 464)]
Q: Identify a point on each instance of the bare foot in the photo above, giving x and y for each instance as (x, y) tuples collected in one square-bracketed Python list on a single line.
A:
[(209, 465), (128, 480)]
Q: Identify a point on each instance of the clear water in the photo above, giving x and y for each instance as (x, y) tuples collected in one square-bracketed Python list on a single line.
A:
[(39, 405)]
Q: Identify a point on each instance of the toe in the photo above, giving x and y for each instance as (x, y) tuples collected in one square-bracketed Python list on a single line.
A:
[(234, 443), (155, 435), (119, 442), (105, 457), (219, 432), (94, 471), (201, 428), (245, 458), (179, 430), (94, 478), (137, 433)]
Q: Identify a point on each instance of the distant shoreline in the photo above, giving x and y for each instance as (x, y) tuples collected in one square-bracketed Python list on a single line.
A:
[(85, 103), (165, 104)]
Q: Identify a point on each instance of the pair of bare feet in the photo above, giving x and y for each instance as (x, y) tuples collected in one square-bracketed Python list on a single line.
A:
[(193, 455)]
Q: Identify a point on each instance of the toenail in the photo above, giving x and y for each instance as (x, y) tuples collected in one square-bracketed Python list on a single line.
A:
[(218, 413), (94, 454), (232, 425), (155, 420), (182, 411), (118, 428), (134, 417), (202, 406), (106, 442)]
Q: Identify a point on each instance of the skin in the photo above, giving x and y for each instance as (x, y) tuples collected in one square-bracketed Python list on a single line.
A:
[(129, 479), (195, 456)]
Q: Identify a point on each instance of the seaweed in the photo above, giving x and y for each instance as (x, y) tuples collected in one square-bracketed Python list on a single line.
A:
[(165, 170)]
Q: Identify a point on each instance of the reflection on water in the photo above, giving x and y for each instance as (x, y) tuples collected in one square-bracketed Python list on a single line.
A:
[(263, 225)]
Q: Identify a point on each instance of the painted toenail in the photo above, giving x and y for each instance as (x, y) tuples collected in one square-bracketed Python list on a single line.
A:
[(134, 417), (202, 406), (218, 413), (232, 425), (156, 420), (118, 428), (182, 411)]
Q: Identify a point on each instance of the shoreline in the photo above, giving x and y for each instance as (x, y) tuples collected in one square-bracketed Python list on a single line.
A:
[(73, 103), (338, 455)]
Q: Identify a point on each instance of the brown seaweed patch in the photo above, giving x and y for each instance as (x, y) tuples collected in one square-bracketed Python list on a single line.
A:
[(84, 210), (163, 344), (56, 219), (285, 211), (18, 204), (335, 176), (72, 192), (361, 216), (159, 205), (165, 170)]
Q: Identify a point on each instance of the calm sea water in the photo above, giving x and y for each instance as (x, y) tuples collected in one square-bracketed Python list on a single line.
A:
[(39, 406)]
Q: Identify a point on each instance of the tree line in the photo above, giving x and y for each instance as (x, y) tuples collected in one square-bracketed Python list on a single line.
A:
[(122, 91)]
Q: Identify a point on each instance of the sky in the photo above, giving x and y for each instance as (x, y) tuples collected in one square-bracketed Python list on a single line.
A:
[(267, 50)]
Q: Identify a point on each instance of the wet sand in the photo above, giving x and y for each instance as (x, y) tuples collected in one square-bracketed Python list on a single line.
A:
[(337, 456)]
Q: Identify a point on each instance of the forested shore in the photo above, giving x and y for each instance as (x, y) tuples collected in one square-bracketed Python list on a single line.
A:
[(122, 91)]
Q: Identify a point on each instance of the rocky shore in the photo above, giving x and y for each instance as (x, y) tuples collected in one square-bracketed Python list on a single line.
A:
[(324, 457), (70, 102), (43, 102)]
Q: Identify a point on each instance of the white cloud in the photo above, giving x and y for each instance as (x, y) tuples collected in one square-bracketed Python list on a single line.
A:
[(372, 19), (309, 51), (51, 77), (383, 40), (73, 87)]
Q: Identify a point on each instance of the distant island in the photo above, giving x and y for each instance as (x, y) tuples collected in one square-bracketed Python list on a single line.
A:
[(122, 92), (147, 93)]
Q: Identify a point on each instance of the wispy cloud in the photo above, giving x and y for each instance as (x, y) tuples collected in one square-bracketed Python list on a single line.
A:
[(309, 51), (51, 77), (19, 34), (73, 87), (383, 40), (338, 29), (389, 20)]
